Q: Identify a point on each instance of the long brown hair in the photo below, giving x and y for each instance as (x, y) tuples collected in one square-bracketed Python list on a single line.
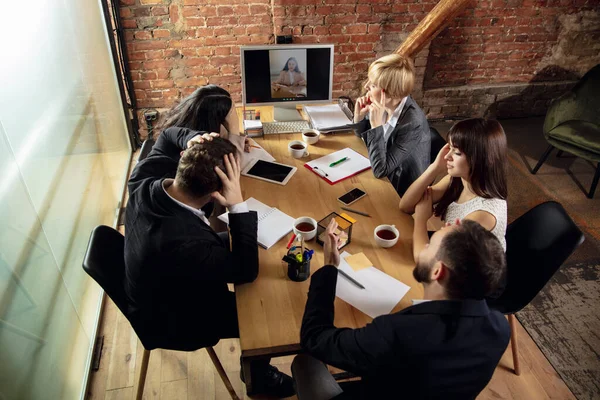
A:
[(484, 144)]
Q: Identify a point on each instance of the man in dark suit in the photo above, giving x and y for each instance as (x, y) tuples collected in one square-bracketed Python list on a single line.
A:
[(391, 123), (177, 266), (444, 348)]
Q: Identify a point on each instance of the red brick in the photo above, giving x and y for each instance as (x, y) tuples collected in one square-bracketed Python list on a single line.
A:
[(335, 29), (186, 43), (143, 35), (137, 56), (363, 9), (364, 38), (223, 51), (228, 70), (155, 54), (161, 33), (194, 81), (162, 74), (150, 45), (224, 21), (173, 13), (127, 2), (224, 11), (129, 23), (204, 32), (356, 29), (255, 20), (141, 11), (258, 9), (126, 12), (159, 11), (344, 19), (141, 85), (158, 64), (241, 10), (195, 62)]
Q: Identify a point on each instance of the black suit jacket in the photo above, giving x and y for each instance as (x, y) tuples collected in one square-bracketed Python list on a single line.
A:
[(434, 350), (177, 267), (405, 155)]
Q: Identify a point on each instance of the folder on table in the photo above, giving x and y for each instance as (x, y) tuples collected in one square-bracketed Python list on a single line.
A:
[(354, 164)]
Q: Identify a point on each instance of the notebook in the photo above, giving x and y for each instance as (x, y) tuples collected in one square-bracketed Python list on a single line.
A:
[(328, 118), (354, 164), (273, 224), (380, 295)]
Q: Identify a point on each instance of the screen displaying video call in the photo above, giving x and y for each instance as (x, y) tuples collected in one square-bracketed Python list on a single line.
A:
[(282, 75)]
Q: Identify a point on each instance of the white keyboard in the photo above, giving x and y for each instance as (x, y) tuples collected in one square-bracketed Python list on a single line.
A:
[(270, 128)]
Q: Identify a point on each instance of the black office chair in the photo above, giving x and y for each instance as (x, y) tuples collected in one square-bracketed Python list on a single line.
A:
[(104, 262), (537, 244), (146, 149), (437, 142)]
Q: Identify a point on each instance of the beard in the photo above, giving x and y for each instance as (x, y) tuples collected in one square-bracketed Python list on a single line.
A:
[(422, 272)]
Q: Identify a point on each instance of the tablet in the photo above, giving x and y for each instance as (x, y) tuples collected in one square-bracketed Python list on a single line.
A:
[(269, 171)]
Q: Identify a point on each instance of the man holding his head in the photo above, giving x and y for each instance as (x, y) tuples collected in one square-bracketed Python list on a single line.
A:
[(177, 266), (446, 347), (391, 124)]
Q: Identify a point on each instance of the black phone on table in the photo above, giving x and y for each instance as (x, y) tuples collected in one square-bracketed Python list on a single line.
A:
[(352, 196)]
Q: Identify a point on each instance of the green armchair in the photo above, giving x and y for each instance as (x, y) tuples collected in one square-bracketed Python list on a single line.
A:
[(572, 123)]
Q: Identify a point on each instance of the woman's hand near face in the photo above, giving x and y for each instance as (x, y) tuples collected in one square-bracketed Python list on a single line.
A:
[(376, 111), (361, 108)]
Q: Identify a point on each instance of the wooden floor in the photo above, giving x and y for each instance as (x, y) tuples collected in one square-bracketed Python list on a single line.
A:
[(178, 375)]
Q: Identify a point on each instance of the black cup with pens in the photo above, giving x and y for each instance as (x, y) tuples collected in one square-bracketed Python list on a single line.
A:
[(298, 260)]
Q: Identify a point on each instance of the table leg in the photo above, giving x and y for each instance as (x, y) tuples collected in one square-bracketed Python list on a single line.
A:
[(247, 371)]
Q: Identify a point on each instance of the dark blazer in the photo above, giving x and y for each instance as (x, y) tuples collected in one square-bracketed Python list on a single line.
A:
[(406, 153), (434, 350), (177, 267)]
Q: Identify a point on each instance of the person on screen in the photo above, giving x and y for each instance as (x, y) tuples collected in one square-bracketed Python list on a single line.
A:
[(445, 347), (176, 266), (391, 124), (290, 75), (473, 166)]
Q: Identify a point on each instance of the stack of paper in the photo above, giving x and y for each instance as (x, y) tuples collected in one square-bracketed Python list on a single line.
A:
[(353, 164), (253, 127), (381, 292), (328, 118)]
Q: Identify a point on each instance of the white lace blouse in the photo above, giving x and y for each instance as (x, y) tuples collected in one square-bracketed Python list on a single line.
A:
[(496, 207)]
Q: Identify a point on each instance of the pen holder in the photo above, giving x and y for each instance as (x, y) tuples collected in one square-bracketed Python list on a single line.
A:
[(344, 229), (298, 271)]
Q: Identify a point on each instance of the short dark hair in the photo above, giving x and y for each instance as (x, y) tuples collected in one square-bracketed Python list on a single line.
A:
[(476, 261), (196, 170)]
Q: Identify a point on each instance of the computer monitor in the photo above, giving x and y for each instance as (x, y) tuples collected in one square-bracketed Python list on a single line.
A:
[(285, 75)]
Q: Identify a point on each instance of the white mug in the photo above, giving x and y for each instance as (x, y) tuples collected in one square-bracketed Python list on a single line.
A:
[(311, 139), (307, 235), (386, 242), (297, 153)]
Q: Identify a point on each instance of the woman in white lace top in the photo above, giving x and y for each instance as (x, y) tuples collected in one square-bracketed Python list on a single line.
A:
[(474, 186)]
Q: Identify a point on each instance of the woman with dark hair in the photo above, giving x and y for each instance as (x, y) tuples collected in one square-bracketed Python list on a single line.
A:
[(290, 75), (474, 161), (208, 109)]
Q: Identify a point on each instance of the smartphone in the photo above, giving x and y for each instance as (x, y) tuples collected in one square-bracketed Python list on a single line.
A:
[(351, 196)]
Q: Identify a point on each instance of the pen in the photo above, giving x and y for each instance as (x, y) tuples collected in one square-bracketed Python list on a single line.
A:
[(322, 173), (333, 164), (356, 212), (345, 275), (256, 147), (291, 241)]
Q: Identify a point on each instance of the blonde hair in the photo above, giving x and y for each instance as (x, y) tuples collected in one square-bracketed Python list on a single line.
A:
[(393, 73)]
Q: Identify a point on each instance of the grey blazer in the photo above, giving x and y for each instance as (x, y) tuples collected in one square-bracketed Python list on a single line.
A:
[(406, 153)]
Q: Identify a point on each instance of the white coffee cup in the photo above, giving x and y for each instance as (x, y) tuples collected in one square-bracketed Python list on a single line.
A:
[(298, 153), (311, 139), (386, 242), (307, 235)]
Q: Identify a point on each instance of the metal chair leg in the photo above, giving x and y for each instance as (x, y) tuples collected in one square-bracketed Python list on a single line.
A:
[(143, 371), (594, 182), (542, 159), (222, 374), (513, 342)]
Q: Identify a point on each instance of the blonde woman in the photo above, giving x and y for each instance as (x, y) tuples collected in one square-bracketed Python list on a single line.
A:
[(391, 124)]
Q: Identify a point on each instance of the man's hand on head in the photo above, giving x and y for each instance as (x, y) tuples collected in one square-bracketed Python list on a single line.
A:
[(231, 193), (199, 139)]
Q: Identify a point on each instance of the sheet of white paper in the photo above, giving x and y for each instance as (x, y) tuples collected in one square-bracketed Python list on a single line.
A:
[(254, 153), (381, 293), (356, 162)]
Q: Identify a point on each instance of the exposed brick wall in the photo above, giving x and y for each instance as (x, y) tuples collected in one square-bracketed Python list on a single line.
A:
[(175, 46), (504, 41)]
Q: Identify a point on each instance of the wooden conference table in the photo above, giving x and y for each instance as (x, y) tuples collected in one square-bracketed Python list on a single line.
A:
[(270, 309)]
